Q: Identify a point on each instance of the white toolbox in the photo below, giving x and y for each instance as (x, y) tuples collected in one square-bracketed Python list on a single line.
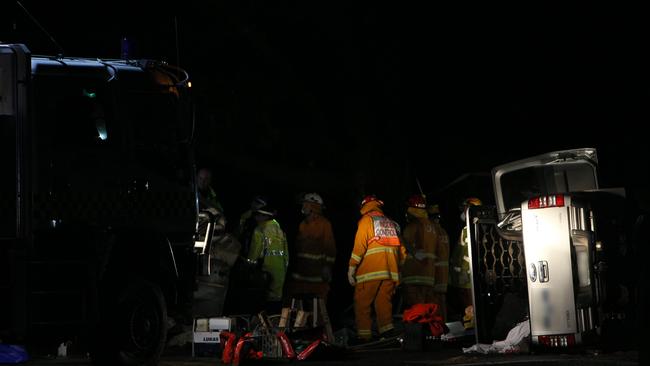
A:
[(206, 331)]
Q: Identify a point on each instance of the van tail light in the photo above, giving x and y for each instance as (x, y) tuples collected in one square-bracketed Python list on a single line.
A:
[(555, 200), (563, 340)]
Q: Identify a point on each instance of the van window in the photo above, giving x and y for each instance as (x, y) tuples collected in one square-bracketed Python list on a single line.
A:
[(153, 118), (76, 111), (520, 185), (75, 131)]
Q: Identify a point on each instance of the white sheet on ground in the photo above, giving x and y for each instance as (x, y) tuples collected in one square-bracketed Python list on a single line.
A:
[(511, 344)]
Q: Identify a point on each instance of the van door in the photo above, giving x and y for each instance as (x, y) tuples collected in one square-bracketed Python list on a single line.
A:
[(78, 150), (160, 176), (8, 138), (8, 181)]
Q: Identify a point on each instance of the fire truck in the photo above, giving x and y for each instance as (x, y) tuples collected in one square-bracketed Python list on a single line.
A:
[(98, 203)]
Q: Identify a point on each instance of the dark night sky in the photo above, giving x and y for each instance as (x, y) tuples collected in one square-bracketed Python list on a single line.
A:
[(345, 99)]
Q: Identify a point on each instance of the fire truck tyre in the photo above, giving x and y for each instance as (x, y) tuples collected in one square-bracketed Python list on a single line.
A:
[(138, 327)]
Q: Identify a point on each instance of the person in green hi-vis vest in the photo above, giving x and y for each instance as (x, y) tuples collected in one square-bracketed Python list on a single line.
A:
[(269, 245)]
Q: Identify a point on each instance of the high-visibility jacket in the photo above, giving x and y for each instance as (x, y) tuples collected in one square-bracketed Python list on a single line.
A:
[(269, 244), (459, 269), (208, 199), (419, 234), (377, 252), (315, 248), (441, 263)]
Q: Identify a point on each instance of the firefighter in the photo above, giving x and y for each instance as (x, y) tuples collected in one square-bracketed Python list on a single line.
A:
[(269, 245), (315, 251), (247, 223), (441, 264), (459, 270), (374, 268), (418, 274)]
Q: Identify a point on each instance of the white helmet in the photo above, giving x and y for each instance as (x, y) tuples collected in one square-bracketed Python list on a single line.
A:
[(313, 197), (258, 202)]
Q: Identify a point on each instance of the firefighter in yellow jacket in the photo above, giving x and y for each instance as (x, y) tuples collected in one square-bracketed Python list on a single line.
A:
[(269, 245), (460, 271), (418, 274), (314, 252), (374, 268)]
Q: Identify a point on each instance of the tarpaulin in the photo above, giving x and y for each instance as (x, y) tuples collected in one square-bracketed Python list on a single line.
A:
[(12, 354), (426, 314), (511, 344)]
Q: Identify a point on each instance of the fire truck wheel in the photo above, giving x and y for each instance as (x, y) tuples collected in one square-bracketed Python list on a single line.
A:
[(137, 326)]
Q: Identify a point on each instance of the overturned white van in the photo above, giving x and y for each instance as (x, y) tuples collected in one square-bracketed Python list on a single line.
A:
[(556, 239)]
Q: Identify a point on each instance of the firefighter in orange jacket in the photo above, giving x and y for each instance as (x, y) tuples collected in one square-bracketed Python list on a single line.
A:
[(418, 274), (315, 251), (374, 268), (441, 264)]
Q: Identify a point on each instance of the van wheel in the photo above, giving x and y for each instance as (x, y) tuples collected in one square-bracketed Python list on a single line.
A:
[(137, 327)]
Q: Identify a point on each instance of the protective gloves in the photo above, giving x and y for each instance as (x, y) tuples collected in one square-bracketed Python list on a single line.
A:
[(351, 272), (213, 211), (419, 255), (326, 273)]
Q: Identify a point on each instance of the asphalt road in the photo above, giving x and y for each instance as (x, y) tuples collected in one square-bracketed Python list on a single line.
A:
[(398, 357)]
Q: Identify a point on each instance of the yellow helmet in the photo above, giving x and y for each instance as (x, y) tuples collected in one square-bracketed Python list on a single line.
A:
[(472, 201)]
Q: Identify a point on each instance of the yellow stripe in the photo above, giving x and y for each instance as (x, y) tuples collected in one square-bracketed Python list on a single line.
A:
[(442, 263), (310, 256), (426, 255), (379, 275), (355, 257), (419, 280), (381, 250), (364, 333), (307, 278), (385, 328)]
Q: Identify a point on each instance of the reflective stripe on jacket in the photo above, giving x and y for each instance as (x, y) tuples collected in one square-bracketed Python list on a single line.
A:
[(459, 270)]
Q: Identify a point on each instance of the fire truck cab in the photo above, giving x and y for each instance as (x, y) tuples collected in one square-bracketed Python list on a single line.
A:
[(98, 203)]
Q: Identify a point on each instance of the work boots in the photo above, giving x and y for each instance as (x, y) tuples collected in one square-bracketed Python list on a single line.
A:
[(391, 333)]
